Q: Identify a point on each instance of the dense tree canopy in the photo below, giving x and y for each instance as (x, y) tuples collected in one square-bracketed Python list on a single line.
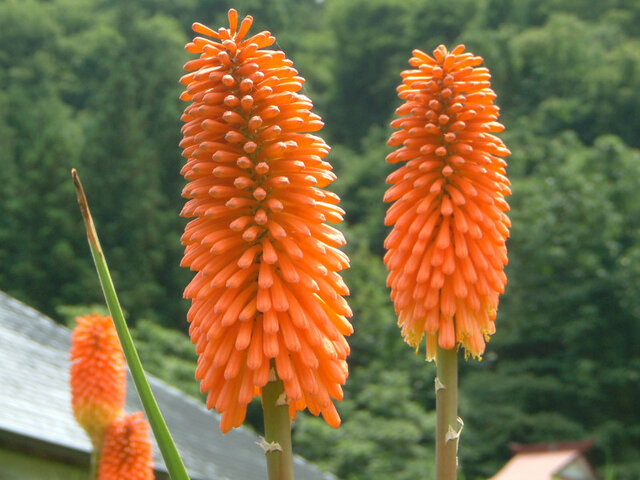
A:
[(92, 84)]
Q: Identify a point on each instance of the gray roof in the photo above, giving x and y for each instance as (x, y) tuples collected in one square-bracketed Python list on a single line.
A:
[(35, 407)]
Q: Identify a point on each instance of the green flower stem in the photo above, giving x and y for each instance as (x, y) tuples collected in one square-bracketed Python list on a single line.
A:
[(93, 465), (447, 422), (277, 431), (175, 466)]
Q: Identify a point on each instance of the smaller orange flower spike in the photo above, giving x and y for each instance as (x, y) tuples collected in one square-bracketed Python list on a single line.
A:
[(98, 375), (446, 252), (127, 452)]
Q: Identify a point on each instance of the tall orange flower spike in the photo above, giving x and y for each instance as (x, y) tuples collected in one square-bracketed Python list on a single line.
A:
[(446, 251), (127, 451), (98, 375), (267, 292)]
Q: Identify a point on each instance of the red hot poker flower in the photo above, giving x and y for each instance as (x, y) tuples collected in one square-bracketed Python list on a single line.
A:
[(267, 292), (98, 375), (127, 451), (446, 251)]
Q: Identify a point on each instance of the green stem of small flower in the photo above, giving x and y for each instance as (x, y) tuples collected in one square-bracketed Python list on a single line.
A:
[(93, 464), (447, 423), (277, 431)]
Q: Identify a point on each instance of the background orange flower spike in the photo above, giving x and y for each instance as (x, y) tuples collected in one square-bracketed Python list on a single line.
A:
[(127, 451), (446, 251), (267, 291), (98, 375)]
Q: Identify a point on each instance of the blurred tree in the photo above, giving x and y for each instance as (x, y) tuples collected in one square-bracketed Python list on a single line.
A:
[(540, 57), (370, 50), (570, 350), (614, 93), (361, 186), (373, 41), (39, 236), (132, 169)]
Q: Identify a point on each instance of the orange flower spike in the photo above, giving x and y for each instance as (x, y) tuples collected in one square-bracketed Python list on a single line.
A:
[(98, 375), (446, 252), (266, 292), (127, 451)]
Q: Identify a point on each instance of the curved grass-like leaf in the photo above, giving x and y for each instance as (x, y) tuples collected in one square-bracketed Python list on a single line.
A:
[(168, 449)]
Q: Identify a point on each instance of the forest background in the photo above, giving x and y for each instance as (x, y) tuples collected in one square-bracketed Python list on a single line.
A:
[(93, 84)]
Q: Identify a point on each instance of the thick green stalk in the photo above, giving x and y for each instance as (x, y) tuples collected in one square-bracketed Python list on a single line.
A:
[(168, 449), (447, 422), (277, 431)]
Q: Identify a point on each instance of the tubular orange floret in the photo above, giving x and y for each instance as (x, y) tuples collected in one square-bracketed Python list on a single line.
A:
[(127, 451), (98, 375), (266, 294), (446, 251)]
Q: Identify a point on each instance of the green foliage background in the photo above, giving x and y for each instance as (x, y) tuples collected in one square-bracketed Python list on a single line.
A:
[(93, 84)]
